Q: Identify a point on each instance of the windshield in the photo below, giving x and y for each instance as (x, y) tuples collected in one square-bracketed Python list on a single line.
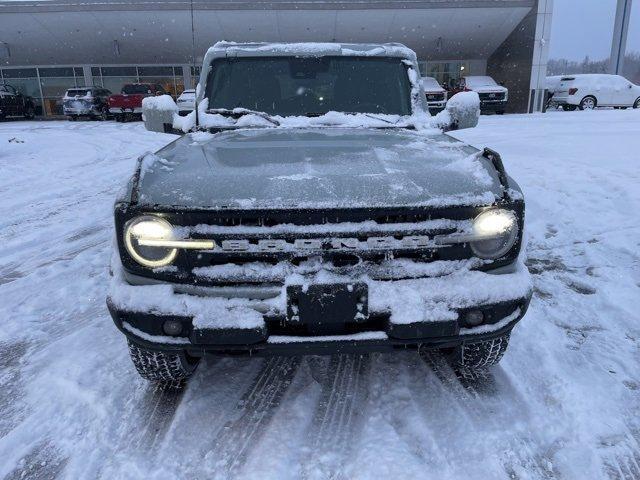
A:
[(475, 82), (135, 89), (291, 86), (79, 93)]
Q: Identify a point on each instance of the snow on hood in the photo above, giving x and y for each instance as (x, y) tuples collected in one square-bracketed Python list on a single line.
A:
[(316, 168)]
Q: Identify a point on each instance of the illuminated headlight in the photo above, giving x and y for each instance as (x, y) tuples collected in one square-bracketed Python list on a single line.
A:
[(494, 233), (145, 239)]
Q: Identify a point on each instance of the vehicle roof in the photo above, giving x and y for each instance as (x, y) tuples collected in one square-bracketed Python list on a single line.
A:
[(311, 49)]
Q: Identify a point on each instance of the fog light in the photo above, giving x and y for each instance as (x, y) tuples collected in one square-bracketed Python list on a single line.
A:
[(172, 327), (474, 318)]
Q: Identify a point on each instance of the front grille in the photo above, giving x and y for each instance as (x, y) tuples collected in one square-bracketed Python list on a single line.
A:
[(435, 97), (269, 246), (491, 97)]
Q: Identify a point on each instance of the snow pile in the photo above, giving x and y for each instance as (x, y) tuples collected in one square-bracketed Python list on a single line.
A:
[(161, 102)]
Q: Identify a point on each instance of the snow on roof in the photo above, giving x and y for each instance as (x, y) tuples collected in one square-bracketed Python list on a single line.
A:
[(311, 49)]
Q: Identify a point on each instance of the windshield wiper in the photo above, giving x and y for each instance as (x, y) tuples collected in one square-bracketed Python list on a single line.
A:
[(368, 115), (236, 113)]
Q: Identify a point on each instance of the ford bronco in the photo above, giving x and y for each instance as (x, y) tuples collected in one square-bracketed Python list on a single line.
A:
[(312, 207)]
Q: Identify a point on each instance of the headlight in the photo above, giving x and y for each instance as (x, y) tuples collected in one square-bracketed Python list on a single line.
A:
[(497, 231), (144, 238)]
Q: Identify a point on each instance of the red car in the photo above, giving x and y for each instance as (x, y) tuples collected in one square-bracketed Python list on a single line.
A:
[(128, 104)]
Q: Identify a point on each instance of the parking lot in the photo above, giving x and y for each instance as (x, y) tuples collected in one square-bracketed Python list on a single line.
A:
[(564, 402)]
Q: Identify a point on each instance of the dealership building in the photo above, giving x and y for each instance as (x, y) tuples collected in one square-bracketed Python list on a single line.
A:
[(48, 46)]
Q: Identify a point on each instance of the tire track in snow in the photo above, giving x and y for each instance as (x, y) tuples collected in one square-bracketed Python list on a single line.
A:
[(159, 406), (338, 414), (43, 462), (257, 407), (11, 391), (478, 394)]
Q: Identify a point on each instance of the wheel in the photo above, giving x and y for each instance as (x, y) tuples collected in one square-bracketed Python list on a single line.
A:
[(588, 103), (499, 112), (474, 355), (102, 115), (30, 112), (162, 367), (73, 118), (636, 104), (568, 108), (119, 117)]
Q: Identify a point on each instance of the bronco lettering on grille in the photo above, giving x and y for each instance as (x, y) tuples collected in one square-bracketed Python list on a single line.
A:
[(350, 244)]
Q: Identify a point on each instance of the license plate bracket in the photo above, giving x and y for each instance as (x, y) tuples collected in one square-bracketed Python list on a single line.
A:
[(327, 305)]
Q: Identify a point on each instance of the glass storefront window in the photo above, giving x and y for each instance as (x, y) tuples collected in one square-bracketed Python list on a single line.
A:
[(447, 73), (25, 80), (54, 83)]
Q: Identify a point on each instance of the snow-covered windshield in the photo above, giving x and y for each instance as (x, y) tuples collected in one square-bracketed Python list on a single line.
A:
[(476, 82), (294, 86)]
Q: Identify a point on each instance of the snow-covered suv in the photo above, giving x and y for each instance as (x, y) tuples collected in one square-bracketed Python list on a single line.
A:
[(591, 90), (315, 207)]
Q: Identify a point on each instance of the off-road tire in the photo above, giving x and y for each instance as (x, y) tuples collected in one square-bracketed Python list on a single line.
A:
[(481, 354), (161, 367)]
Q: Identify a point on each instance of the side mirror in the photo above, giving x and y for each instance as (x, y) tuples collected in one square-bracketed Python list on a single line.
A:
[(463, 110), (158, 113), (501, 84)]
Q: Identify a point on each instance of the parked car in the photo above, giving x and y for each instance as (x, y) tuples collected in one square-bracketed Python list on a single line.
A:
[(128, 104), (591, 90), (317, 216), (493, 97), (15, 104), (435, 94), (186, 102), (91, 102)]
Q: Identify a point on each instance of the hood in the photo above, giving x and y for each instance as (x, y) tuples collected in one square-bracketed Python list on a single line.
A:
[(490, 89), (278, 168)]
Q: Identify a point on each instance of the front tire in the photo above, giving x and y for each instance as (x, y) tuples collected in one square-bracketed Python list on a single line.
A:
[(30, 113), (636, 104), (477, 355), (162, 367), (588, 103)]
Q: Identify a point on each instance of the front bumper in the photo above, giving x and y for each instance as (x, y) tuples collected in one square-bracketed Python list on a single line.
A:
[(493, 105), (116, 110), (402, 314), (79, 111), (437, 106)]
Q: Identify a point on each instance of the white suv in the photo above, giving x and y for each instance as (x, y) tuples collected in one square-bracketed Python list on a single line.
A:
[(588, 91), (186, 102)]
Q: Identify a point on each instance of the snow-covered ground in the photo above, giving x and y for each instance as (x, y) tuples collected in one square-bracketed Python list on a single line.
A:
[(564, 403)]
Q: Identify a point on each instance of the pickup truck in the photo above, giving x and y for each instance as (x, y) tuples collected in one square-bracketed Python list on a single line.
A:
[(14, 104), (128, 104)]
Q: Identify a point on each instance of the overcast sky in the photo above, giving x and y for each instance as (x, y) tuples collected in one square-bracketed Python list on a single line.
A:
[(584, 27)]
